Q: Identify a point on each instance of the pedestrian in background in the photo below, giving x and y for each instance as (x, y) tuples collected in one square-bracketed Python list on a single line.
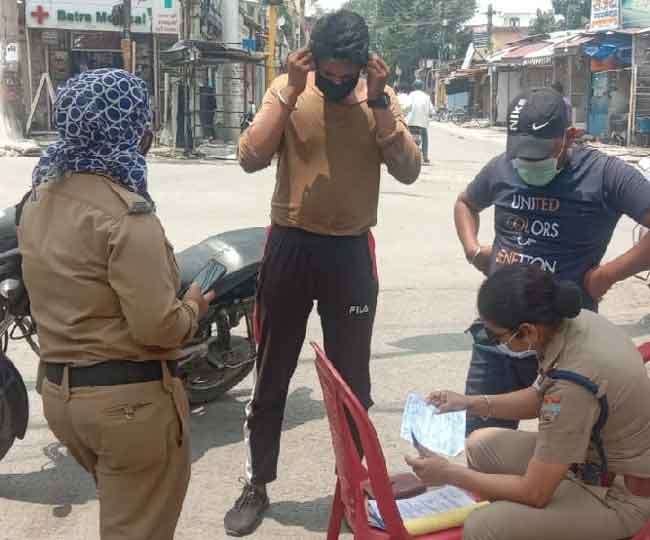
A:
[(419, 116)]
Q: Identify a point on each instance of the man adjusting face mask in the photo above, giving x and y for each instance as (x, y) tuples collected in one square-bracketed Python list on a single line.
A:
[(335, 91), (537, 127)]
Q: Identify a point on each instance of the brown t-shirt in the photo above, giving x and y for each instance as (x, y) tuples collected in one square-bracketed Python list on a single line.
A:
[(101, 276), (329, 162)]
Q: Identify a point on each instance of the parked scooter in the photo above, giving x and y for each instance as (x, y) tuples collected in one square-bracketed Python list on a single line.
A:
[(213, 362)]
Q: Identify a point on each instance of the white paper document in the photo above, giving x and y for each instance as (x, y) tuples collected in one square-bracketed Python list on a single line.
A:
[(441, 433), (429, 503)]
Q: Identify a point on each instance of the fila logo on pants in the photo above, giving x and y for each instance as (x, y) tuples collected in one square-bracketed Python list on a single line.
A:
[(359, 311)]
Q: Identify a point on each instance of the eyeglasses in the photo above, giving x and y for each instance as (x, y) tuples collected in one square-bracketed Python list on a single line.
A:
[(495, 338)]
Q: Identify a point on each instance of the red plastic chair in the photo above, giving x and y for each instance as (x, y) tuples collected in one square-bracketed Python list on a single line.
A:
[(353, 478)]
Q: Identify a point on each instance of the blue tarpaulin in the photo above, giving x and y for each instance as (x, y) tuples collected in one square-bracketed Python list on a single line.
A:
[(620, 47)]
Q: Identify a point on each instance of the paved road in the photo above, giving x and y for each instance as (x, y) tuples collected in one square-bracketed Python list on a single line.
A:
[(426, 301)]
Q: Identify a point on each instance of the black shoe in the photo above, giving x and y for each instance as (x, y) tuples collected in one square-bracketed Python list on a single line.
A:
[(243, 518)]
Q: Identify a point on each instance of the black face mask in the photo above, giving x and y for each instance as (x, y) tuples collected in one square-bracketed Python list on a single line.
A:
[(335, 92)]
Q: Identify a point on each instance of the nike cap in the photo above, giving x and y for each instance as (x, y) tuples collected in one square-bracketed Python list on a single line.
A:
[(535, 119)]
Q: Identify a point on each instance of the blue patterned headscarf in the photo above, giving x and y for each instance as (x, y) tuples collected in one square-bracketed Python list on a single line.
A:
[(101, 116)]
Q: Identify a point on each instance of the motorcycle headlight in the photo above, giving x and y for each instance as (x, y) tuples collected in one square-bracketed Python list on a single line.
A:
[(9, 288)]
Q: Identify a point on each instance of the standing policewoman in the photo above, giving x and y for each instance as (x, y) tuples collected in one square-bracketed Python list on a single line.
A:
[(102, 280)]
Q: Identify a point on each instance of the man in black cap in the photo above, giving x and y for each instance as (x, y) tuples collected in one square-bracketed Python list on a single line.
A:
[(555, 205)]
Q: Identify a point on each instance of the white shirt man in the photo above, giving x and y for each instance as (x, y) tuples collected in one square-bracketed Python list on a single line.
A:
[(419, 116), (421, 109)]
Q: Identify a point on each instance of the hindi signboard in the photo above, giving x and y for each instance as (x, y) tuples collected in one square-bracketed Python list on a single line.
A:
[(605, 14), (166, 17)]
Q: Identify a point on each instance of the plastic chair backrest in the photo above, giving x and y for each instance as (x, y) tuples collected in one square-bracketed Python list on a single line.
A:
[(644, 349), (342, 405)]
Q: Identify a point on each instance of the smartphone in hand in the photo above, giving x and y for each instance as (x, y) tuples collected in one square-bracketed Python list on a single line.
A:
[(422, 450)]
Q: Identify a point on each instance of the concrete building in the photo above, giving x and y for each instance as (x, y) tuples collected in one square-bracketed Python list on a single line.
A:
[(11, 87)]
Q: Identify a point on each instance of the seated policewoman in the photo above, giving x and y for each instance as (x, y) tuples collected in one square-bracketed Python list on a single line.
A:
[(583, 474)]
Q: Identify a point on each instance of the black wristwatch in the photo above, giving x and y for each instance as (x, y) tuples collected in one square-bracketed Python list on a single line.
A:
[(382, 102)]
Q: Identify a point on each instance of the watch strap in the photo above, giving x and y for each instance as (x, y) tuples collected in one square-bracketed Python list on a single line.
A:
[(381, 102)]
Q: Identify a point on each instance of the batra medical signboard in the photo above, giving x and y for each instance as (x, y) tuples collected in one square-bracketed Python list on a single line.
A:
[(87, 15)]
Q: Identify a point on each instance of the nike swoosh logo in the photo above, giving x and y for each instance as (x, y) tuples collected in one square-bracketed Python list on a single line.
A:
[(541, 126)]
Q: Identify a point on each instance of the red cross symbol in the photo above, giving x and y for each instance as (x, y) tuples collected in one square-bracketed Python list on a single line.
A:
[(40, 14)]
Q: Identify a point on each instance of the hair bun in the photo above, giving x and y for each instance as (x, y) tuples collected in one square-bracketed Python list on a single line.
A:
[(567, 299)]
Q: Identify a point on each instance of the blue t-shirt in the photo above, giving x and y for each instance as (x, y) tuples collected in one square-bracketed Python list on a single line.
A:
[(566, 226)]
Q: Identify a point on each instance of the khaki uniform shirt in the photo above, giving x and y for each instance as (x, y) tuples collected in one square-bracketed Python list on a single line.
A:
[(593, 347), (101, 276), (329, 162)]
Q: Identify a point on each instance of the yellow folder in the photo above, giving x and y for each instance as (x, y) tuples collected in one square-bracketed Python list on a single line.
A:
[(441, 521)]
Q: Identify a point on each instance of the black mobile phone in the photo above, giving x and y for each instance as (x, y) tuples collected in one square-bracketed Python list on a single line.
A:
[(422, 450), (416, 443), (207, 277)]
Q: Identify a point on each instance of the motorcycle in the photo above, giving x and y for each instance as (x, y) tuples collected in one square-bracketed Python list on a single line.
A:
[(247, 118), (213, 362)]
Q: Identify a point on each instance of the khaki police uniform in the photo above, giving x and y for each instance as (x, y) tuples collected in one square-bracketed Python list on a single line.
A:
[(594, 348), (102, 281)]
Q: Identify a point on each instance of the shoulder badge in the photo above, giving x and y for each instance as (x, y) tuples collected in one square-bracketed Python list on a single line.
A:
[(140, 207), (551, 407)]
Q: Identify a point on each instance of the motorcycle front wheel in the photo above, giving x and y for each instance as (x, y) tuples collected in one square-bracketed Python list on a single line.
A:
[(210, 377)]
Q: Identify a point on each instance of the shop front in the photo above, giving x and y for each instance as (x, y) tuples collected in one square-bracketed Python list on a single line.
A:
[(512, 77), (469, 90), (571, 68), (611, 74), (68, 37), (639, 124)]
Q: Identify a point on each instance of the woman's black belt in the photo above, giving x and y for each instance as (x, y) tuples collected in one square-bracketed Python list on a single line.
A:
[(109, 373)]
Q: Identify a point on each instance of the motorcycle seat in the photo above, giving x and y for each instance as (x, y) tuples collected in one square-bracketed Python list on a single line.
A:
[(240, 252)]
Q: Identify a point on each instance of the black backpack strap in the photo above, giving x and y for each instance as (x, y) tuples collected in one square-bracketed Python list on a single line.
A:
[(590, 386)]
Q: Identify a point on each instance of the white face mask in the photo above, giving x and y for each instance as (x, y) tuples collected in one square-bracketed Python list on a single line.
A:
[(519, 355)]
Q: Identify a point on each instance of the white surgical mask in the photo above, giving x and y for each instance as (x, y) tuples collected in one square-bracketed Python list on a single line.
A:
[(519, 355)]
